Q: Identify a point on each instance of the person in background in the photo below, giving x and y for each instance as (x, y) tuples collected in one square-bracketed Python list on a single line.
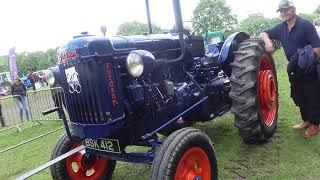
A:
[(1, 117), (317, 25), (19, 92), (301, 44), (32, 79)]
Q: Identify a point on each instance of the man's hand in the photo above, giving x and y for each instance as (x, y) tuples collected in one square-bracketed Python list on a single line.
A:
[(269, 46), (317, 51), (267, 42)]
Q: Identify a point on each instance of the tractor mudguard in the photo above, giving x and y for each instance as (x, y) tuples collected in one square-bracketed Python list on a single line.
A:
[(226, 55)]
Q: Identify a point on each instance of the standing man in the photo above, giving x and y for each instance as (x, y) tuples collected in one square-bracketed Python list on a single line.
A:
[(19, 93), (1, 117), (296, 33), (32, 79)]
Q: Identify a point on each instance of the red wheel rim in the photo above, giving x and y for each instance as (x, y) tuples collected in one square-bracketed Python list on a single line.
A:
[(78, 169), (194, 164), (267, 90)]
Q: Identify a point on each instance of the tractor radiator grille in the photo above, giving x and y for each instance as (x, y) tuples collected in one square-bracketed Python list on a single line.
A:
[(86, 90)]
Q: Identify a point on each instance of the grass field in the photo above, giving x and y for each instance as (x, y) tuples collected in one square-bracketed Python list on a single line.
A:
[(287, 155)]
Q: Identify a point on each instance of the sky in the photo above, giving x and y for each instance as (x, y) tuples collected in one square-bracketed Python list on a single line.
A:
[(32, 25)]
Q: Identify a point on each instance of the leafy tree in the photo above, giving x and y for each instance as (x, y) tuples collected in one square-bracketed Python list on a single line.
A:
[(309, 17), (255, 24), (4, 64), (28, 61), (136, 28), (51, 58), (215, 15), (34, 61), (317, 11)]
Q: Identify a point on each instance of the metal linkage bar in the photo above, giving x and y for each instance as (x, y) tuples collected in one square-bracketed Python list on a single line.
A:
[(47, 164), (173, 119), (22, 143)]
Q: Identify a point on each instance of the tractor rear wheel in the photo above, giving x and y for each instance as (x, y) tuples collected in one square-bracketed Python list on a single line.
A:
[(187, 154), (79, 165), (254, 92)]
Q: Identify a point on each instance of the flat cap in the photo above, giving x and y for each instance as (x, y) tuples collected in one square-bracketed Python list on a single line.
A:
[(284, 4)]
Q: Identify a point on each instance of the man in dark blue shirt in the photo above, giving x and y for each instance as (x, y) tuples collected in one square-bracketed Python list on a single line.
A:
[(296, 33)]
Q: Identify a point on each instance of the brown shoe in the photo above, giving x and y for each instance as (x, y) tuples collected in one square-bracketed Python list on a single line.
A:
[(313, 130), (303, 125)]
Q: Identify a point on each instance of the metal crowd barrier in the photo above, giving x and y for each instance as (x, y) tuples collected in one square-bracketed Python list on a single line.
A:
[(37, 101), (42, 100), (10, 114)]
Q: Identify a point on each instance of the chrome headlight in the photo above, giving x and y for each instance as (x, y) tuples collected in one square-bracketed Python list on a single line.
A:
[(49, 77), (140, 62), (135, 64)]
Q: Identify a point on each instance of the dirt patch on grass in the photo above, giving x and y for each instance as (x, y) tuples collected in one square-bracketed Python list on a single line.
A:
[(256, 159)]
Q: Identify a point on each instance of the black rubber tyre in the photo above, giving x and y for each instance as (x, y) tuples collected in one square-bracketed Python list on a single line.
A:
[(247, 94), (174, 151), (59, 170)]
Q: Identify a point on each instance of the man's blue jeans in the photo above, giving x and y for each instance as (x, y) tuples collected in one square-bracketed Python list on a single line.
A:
[(23, 106)]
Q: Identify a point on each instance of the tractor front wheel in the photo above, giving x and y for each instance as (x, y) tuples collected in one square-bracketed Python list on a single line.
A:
[(79, 165), (187, 154), (254, 92)]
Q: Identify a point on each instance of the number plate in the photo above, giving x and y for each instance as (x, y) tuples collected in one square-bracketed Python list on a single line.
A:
[(107, 145)]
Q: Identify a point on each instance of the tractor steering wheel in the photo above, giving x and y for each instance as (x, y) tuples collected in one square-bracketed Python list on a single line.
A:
[(194, 30)]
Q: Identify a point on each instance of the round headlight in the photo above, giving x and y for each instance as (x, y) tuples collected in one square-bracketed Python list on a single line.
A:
[(49, 77), (135, 64)]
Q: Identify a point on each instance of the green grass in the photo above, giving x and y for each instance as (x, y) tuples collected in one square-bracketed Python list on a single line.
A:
[(28, 156), (287, 155)]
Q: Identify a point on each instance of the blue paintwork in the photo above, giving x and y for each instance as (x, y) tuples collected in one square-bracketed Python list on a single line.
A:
[(57, 75), (100, 63), (98, 45), (97, 88), (147, 136), (145, 158), (112, 104), (226, 55)]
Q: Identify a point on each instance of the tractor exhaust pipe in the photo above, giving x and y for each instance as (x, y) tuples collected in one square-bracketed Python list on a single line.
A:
[(177, 15), (179, 29), (148, 17)]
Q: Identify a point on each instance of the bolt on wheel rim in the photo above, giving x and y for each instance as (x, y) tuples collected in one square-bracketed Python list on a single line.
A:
[(194, 165), (77, 167), (267, 91)]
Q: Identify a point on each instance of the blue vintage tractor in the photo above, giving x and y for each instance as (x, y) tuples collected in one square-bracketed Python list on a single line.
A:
[(126, 90)]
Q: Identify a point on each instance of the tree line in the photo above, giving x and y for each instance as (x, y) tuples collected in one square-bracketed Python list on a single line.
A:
[(214, 15), (31, 61)]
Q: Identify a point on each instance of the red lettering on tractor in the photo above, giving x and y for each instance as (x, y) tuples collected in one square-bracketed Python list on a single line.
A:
[(111, 88), (65, 55)]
